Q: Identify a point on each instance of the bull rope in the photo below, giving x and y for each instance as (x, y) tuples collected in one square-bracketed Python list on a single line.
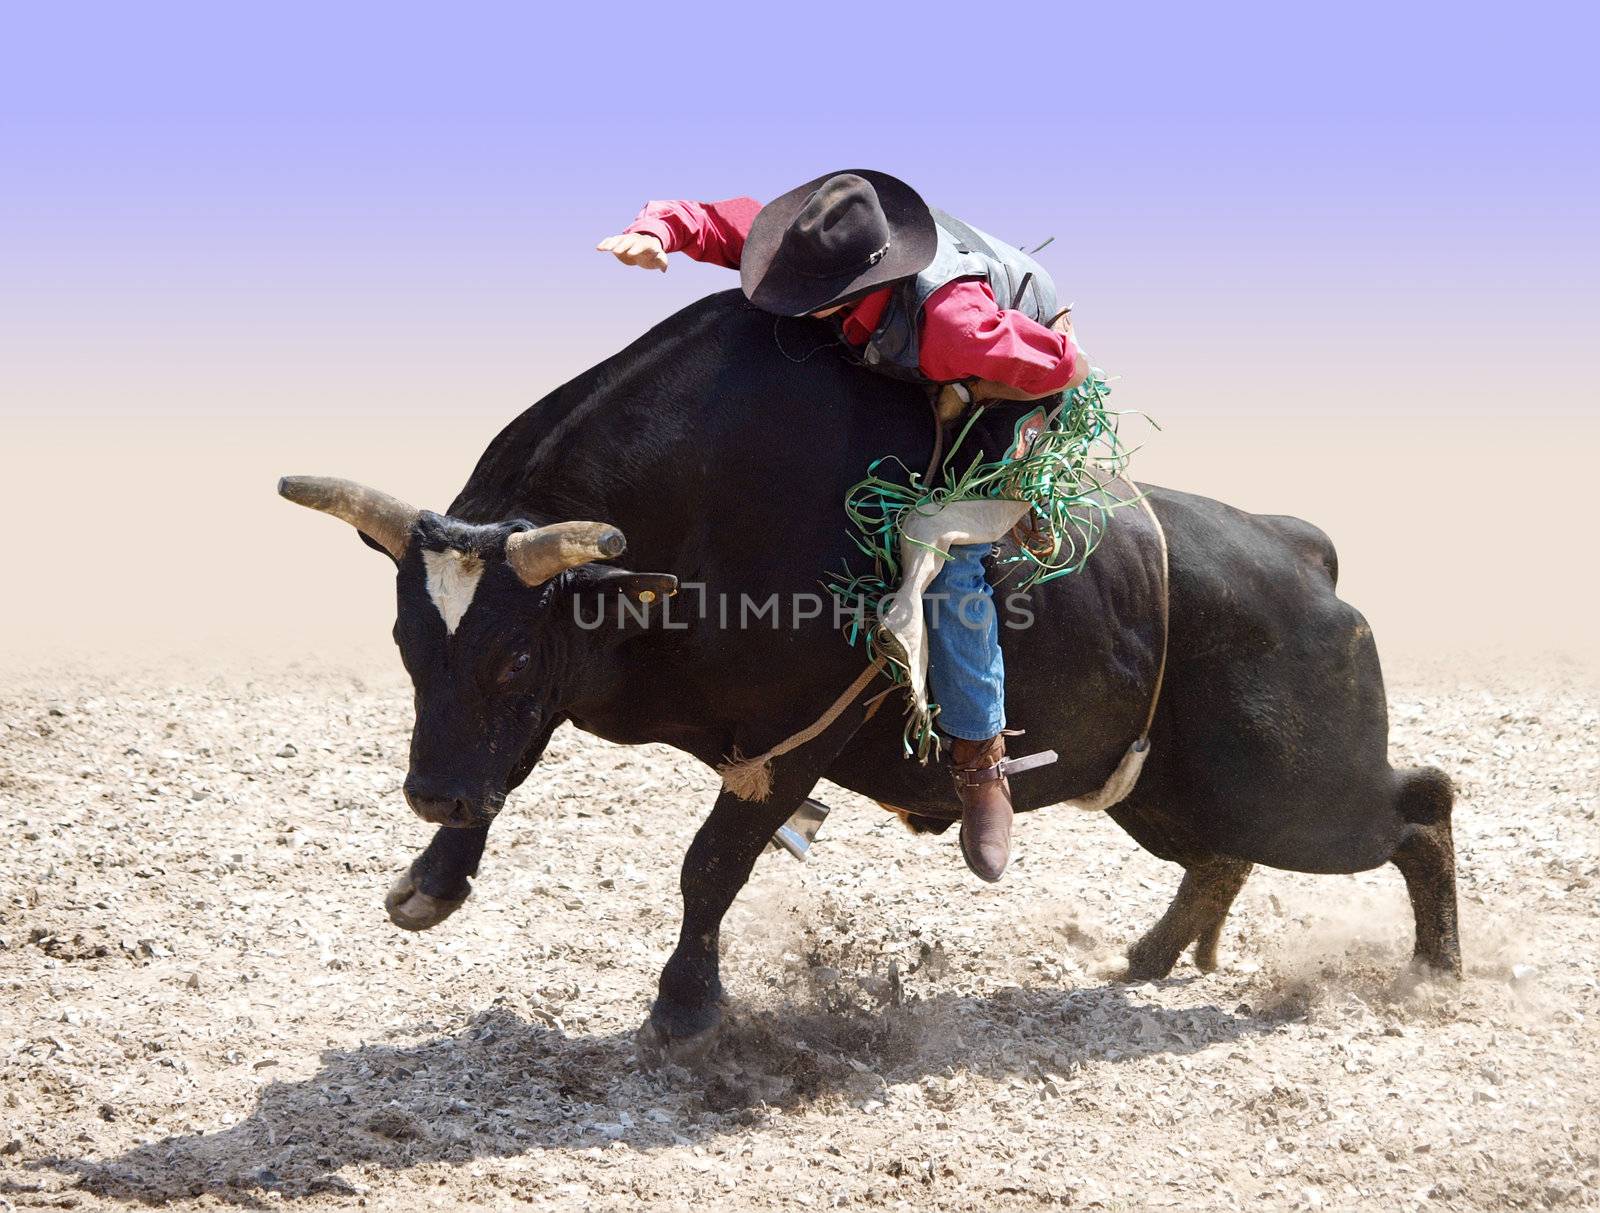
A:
[(751, 778), (1143, 742)]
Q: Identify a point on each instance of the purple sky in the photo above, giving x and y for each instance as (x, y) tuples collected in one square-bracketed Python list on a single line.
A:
[(353, 187)]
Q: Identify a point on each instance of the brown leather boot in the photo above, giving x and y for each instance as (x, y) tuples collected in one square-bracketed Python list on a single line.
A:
[(985, 804)]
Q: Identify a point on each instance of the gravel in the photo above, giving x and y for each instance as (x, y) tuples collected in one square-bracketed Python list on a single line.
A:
[(202, 1001)]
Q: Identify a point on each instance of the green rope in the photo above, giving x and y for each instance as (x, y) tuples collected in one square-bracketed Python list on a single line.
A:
[(1063, 476)]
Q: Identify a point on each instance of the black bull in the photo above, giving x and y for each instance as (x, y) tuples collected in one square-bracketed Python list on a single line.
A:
[(724, 457)]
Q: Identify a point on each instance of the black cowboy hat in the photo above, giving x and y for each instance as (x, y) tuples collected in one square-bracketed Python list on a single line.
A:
[(834, 238)]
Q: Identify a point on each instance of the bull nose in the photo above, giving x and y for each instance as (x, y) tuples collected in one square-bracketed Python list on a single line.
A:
[(438, 802)]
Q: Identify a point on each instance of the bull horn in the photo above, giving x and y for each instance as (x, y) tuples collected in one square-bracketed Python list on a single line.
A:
[(387, 519), (538, 555)]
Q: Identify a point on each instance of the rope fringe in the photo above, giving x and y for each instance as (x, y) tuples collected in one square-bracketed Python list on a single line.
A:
[(1066, 476), (751, 778)]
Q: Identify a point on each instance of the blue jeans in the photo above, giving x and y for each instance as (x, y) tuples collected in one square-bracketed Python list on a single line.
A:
[(966, 672)]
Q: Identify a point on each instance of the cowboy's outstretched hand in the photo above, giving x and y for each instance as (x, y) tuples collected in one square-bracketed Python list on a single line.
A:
[(635, 248)]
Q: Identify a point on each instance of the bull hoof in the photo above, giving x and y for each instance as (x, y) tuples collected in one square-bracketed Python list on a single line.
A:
[(1142, 966), (411, 909), (677, 1037), (1437, 968)]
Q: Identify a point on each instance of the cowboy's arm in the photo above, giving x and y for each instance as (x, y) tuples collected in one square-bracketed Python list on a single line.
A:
[(713, 232), (967, 335)]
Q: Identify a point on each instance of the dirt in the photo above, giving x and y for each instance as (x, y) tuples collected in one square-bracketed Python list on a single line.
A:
[(202, 1001)]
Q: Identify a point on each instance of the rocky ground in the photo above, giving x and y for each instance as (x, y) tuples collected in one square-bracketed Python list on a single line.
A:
[(202, 1001)]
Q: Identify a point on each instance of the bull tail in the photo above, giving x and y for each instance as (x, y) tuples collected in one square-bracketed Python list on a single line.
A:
[(1425, 796)]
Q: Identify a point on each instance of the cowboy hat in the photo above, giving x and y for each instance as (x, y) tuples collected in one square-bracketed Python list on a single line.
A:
[(834, 238)]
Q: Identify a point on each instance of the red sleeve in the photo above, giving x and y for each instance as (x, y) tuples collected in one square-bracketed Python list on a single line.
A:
[(966, 334), (706, 231)]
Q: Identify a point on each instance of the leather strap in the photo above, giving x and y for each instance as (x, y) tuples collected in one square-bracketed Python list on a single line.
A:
[(938, 442), (974, 777)]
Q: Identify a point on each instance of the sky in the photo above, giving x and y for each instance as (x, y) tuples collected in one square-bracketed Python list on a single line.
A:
[(1345, 257)]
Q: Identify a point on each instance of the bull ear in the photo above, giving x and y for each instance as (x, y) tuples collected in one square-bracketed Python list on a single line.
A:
[(641, 587), (538, 555), (382, 520), (619, 601)]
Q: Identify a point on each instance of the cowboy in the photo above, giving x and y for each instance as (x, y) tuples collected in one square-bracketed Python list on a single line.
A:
[(915, 294)]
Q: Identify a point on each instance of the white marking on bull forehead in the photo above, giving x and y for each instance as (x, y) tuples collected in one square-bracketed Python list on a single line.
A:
[(452, 581)]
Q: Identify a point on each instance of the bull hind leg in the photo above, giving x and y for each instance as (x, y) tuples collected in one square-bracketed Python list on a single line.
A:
[(1195, 916), (1210, 937), (1426, 858)]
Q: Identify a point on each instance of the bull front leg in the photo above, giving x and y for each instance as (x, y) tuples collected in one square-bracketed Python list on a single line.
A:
[(687, 1013), (438, 881)]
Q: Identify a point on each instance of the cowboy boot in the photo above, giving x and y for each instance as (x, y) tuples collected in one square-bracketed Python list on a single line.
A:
[(980, 777)]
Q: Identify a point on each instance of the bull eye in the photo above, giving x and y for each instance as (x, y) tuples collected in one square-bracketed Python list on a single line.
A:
[(518, 664)]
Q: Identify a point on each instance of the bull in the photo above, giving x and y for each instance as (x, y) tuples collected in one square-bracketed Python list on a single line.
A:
[(719, 457)]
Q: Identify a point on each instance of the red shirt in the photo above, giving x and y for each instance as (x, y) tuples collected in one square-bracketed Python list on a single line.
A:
[(966, 334)]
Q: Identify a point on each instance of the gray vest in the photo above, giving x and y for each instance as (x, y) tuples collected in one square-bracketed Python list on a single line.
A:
[(963, 252)]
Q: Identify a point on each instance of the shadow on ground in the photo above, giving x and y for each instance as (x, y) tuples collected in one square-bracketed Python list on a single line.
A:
[(503, 1086)]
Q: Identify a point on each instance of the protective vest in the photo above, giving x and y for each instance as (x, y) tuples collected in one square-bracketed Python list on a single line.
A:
[(963, 252)]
